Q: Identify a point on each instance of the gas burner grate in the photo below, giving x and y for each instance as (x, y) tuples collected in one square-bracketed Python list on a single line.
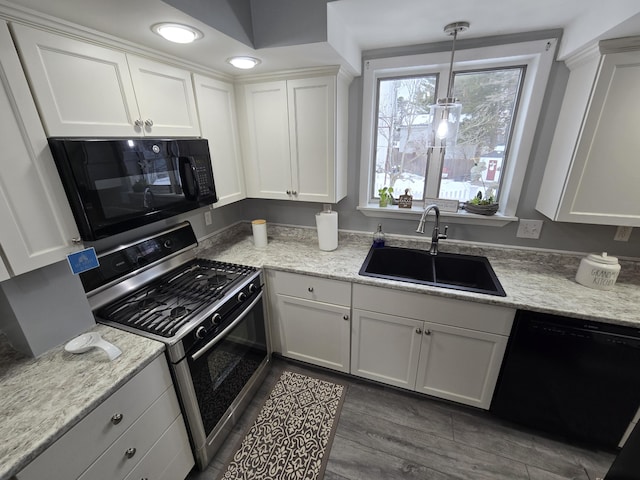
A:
[(171, 301)]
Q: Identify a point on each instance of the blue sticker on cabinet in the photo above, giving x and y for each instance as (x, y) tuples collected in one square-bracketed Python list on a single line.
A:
[(83, 260)]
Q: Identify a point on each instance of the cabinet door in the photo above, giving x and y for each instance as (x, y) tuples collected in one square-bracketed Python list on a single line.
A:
[(267, 157), (314, 332), (312, 127), (4, 273), (385, 348), (603, 184), (37, 225), (165, 98), (81, 89), (217, 114), (459, 364)]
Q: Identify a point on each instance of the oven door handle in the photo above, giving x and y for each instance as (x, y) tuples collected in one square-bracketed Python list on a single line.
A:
[(219, 337)]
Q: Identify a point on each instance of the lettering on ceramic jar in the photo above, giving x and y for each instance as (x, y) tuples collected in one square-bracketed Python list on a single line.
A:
[(601, 277)]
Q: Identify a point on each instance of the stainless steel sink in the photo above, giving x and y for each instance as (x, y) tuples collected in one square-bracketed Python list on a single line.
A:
[(470, 273)]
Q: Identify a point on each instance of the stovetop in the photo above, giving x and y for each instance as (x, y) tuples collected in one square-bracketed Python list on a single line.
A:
[(170, 302)]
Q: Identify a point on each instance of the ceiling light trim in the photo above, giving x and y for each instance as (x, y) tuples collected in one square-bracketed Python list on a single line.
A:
[(177, 32), (244, 62)]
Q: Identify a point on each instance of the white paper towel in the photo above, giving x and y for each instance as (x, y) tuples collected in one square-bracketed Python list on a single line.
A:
[(327, 223)]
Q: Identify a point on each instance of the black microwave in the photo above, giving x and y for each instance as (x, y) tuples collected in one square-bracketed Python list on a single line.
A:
[(116, 185)]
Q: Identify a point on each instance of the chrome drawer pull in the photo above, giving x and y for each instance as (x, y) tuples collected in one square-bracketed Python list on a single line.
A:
[(130, 452), (117, 418), (310, 289)]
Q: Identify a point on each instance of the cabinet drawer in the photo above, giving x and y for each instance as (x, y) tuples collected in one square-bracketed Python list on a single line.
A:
[(130, 448), (169, 458), (313, 288), (70, 455), (446, 311)]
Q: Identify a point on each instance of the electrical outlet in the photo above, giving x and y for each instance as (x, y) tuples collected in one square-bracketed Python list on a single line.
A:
[(623, 234), (207, 218), (529, 229)]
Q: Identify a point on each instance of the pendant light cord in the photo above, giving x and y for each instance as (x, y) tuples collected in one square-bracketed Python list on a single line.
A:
[(453, 51)]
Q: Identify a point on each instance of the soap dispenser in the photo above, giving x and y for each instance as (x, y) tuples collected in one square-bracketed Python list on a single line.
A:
[(378, 237)]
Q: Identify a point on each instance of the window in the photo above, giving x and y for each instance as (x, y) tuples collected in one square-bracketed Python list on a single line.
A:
[(500, 89)]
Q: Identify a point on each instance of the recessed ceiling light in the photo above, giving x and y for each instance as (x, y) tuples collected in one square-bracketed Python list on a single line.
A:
[(174, 32), (244, 63)]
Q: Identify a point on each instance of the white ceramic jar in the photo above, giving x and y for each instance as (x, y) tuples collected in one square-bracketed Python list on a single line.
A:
[(598, 271)]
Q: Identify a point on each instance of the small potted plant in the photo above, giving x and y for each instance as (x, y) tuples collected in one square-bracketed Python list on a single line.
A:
[(386, 196), (482, 205)]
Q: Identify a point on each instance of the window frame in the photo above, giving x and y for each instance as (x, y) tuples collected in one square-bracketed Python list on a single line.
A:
[(537, 56)]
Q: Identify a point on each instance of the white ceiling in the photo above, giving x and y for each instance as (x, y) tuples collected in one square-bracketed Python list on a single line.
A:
[(368, 24)]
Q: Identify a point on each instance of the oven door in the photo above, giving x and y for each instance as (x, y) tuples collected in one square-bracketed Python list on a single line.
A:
[(218, 378)]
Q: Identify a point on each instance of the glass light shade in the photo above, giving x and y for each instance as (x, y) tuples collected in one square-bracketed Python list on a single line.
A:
[(445, 122), (177, 33), (243, 63)]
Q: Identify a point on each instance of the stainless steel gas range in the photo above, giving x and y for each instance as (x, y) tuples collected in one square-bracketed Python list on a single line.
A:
[(210, 315)]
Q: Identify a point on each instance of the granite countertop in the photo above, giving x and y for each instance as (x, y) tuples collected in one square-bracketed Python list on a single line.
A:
[(536, 280), (43, 398)]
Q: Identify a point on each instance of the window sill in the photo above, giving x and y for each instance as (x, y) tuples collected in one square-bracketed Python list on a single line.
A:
[(497, 220)]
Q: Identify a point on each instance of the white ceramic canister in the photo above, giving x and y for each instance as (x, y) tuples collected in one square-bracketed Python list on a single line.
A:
[(259, 228), (598, 271)]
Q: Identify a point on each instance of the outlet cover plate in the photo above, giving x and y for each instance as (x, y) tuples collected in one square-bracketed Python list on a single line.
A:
[(529, 229), (623, 234)]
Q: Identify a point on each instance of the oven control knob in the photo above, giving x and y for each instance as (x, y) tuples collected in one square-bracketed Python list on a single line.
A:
[(216, 319), (242, 297), (201, 332), (253, 288)]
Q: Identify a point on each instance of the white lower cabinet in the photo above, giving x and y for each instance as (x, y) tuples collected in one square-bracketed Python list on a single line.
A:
[(311, 319), (443, 347), (138, 432)]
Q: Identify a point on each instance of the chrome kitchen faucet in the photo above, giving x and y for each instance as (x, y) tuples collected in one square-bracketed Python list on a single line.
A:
[(435, 234)]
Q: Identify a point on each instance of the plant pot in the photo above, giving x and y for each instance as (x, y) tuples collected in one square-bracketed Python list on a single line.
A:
[(481, 209), (383, 202)]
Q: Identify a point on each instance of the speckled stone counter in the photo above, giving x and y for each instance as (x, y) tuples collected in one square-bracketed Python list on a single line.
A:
[(535, 280), (43, 398)]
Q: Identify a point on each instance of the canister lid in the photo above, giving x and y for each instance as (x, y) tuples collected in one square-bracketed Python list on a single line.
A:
[(259, 221), (604, 258)]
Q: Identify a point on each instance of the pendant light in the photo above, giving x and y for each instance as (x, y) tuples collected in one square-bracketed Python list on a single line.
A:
[(446, 112)]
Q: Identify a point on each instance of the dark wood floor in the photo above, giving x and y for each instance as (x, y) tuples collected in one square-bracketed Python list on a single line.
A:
[(387, 433)]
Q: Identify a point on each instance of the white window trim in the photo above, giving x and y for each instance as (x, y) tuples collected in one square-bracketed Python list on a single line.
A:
[(538, 57)]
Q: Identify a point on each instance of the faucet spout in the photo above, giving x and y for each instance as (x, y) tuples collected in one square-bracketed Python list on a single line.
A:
[(435, 234)]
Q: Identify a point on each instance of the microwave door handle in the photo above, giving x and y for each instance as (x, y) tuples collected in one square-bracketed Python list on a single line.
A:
[(189, 178), (221, 335)]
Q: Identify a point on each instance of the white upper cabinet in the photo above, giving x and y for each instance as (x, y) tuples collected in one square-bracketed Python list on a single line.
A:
[(592, 174), (83, 89), (38, 228), (219, 124), (296, 137)]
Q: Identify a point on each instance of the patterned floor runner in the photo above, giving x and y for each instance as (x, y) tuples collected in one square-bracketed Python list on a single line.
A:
[(291, 437)]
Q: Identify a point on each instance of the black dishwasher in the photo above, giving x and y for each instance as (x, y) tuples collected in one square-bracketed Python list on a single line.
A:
[(571, 377)]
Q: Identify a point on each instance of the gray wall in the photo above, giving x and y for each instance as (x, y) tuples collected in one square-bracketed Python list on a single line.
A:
[(555, 235)]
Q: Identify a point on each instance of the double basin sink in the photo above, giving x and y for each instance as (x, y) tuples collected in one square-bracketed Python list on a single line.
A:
[(469, 273)]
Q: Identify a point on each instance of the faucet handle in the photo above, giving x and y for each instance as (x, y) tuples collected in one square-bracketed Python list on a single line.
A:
[(442, 236)]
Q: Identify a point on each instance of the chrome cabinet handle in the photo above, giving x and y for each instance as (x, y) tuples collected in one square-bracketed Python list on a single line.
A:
[(76, 240), (138, 123), (116, 418), (345, 317), (427, 332), (288, 192), (294, 192), (418, 331), (310, 289), (148, 122), (130, 452)]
